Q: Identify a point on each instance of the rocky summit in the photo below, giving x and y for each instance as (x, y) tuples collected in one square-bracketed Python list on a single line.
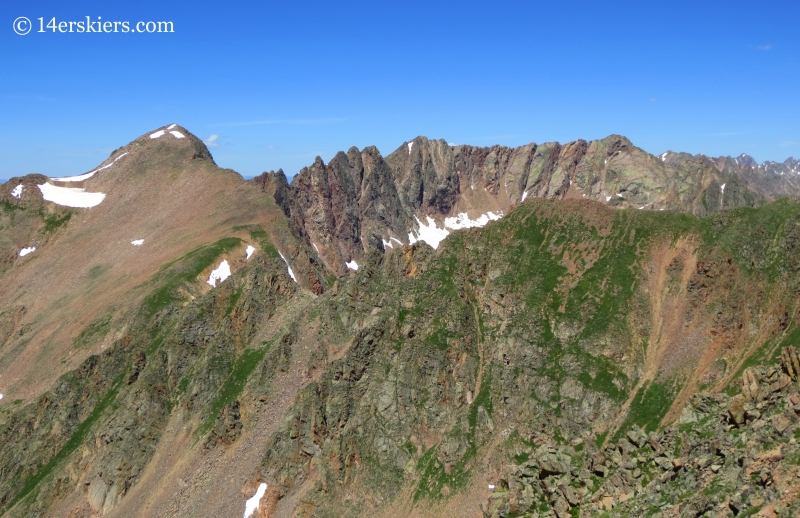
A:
[(554, 330)]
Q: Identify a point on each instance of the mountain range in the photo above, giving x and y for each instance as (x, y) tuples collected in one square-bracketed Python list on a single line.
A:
[(548, 330)]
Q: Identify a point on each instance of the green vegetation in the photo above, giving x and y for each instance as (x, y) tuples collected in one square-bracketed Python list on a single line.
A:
[(603, 380), (439, 338), (93, 333), (648, 407), (232, 388), (9, 207), (235, 296), (434, 478), (78, 438), (185, 271), (260, 236), (53, 222)]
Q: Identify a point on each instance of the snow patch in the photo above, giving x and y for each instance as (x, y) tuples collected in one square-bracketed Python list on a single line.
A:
[(251, 505), (81, 177), (491, 486), (222, 272), (291, 273), (463, 221), (722, 189), (524, 195), (395, 239), (619, 195), (352, 265), (177, 134), (88, 175), (410, 145), (387, 243), (68, 197), (664, 156), (249, 251), (1, 397), (315, 247), (26, 251), (137, 242), (434, 235), (17, 191), (429, 233), (608, 198), (157, 134), (171, 126)]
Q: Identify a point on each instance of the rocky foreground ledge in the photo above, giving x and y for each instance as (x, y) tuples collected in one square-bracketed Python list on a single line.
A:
[(725, 456)]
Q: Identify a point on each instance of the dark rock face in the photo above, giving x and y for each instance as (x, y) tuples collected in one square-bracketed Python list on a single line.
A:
[(360, 200)]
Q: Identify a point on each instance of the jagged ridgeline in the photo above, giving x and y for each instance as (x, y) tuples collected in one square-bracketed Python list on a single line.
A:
[(570, 359)]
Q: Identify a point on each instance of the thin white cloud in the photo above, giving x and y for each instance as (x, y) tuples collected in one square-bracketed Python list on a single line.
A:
[(212, 141), (763, 47), (786, 143), (293, 122)]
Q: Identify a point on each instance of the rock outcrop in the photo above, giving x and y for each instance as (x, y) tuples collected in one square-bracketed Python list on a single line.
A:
[(361, 201)]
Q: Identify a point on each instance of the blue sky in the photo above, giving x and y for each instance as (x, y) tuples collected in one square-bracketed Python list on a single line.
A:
[(282, 82)]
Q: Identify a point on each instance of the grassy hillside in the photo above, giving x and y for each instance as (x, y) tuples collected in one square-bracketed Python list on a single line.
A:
[(538, 354)]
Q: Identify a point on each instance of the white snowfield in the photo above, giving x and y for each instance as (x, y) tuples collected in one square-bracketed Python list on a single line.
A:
[(249, 252), (160, 133), (26, 251), (251, 505), (524, 195), (88, 175), (17, 191), (219, 275), (429, 233), (171, 126), (69, 197), (81, 177), (434, 235), (463, 221), (291, 273), (410, 145), (137, 242), (352, 265)]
